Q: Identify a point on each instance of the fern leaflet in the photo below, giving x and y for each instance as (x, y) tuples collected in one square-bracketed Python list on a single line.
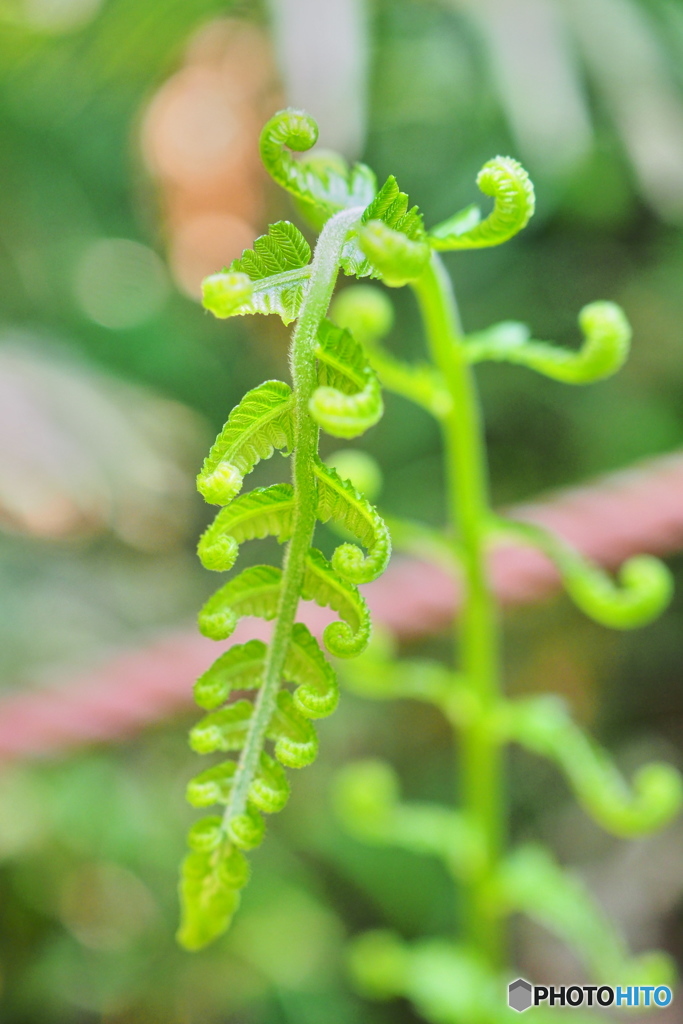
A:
[(339, 500), (263, 512), (257, 426)]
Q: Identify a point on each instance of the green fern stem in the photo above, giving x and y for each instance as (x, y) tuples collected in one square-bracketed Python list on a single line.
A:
[(481, 777), (324, 270)]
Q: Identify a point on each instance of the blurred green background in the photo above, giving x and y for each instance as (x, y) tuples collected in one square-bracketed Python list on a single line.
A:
[(128, 170)]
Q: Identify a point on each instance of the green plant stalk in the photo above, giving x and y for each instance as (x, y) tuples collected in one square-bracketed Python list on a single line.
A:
[(480, 768), (324, 270)]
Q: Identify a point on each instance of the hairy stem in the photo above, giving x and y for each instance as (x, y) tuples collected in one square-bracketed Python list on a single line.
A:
[(466, 467), (323, 277)]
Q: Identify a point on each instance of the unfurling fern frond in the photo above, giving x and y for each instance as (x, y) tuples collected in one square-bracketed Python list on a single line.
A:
[(510, 186), (334, 387), (222, 730), (392, 255), (328, 589), (349, 399), (607, 335), (263, 512), (339, 500), (322, 187), (270, 278), (257, 426)]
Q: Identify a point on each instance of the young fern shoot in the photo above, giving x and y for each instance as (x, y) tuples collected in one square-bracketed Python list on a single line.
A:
[(333, 388)]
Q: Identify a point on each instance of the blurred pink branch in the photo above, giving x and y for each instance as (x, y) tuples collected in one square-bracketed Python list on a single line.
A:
[(640, 509)]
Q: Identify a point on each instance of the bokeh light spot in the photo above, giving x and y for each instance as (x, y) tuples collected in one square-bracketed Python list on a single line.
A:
[(120, 283)]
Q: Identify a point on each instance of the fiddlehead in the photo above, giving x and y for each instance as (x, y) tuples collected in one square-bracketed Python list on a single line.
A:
[(510, 186), (333, 387), (390, 241), (640, 594), (256, 591), (322, 187), (607, 335), (263, 512)]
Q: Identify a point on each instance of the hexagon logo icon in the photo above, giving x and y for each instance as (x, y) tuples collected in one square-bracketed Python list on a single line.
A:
[(519, 995)]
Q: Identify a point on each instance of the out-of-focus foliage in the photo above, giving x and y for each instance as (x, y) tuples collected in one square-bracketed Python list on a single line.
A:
[(89, 264)]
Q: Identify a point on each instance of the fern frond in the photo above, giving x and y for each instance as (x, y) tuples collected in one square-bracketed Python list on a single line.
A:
[(607, 335), (240, 668), (349, 399), (392, 255), (257, 426), (263, 512), (254, 592), (339, 500), (317, 692), (514, 202), (268, 792), (324, 586), (322, 187), (270, 278)]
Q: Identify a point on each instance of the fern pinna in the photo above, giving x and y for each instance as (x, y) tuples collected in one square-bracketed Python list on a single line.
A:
[(333, 388)]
